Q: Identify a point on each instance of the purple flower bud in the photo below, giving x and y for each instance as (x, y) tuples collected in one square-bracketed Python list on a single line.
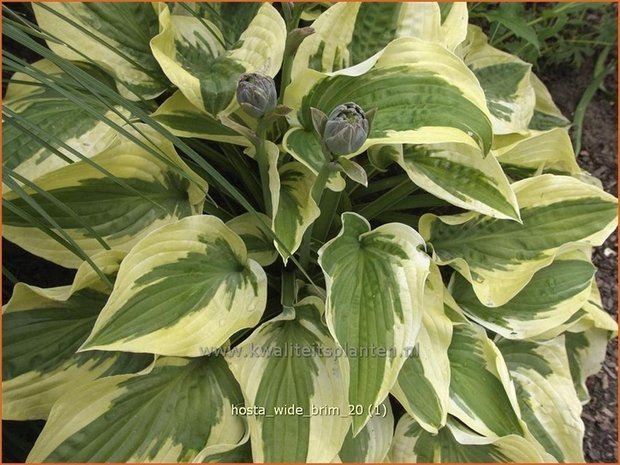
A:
[(346, 129), (256, 94)]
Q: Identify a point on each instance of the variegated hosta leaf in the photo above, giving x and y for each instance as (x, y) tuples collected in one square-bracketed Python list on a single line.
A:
[(154, 190), (596, 316), (424, 95), (375, 286), (454, 17), (42, 330), (554, 294), (223, 454), (113, 36), (183, 119), (578, 322), (586, 353), (296, 208), (591, 314), (452, 309), (546, 114), (372, 443), (505, 80), (349, 33), (203, 53), (182, 290), (547, 398), (53, 117), (423, 385), (313, 10), (171, 413), (257, 241), (462, 175), (382, 156), (548, 151), (293, 205), (292, 362), (499, 257), (455, 443), (586, 342), (481, 393)]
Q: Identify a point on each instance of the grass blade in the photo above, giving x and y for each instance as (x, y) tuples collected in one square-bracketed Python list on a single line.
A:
[(62, 206), (69, 243)]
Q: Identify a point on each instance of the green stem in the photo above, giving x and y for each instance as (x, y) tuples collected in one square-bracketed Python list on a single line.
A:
[(387, 200), (285, 77), (263, 168), (289, 50), (289, 292), (257, 138), (329, 207), (317, 194)]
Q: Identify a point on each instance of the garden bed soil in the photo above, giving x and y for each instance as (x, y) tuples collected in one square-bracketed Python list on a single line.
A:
[(599, 156)]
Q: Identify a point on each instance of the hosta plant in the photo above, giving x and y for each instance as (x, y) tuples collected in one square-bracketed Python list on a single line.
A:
[(301, 233)]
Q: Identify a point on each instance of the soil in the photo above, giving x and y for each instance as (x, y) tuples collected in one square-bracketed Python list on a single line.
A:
[(598, 156)]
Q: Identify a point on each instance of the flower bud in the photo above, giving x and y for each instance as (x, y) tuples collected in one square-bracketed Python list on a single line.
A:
[(256, 94), (346, 129)]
